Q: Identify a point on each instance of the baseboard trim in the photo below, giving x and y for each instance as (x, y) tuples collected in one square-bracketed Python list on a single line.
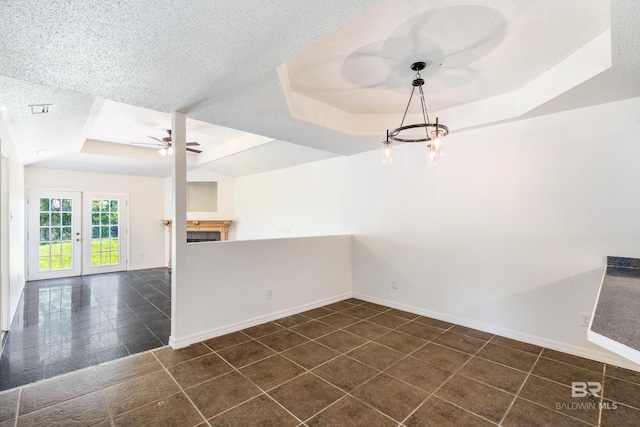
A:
[(146, 267), (234, 327), (599, 356)]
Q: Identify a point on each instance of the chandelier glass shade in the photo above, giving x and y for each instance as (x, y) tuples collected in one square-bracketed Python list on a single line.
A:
[(434, 133)]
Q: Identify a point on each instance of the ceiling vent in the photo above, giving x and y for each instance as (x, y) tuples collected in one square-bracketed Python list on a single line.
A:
[(39, 108)]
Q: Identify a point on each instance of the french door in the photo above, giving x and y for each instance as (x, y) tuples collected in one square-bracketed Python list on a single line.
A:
[(54, 237), (73, 233), (104, 223)]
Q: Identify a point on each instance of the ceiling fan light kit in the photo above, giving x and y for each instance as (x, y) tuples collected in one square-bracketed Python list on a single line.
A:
[(434, 132)]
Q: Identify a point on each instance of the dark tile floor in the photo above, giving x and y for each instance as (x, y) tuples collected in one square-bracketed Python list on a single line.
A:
[(351, 363), (63, 325)]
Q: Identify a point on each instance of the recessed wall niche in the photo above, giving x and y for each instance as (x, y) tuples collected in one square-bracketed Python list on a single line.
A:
[(202, 196)]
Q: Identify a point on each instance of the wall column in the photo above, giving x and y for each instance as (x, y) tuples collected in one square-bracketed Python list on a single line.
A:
[(179, 217)]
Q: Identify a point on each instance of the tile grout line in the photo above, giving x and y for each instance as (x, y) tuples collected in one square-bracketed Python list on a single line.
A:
[(632, 383), (47, 407), (604, 375), (453, 373), (109, 415), (515, 397), (15, 422), (508, 348), (564, 363), (263, 392), (101, 385), (371, 341), (309, 371), (379, 371), (346, 395), (179, 387), (349, 394), (543, 378), (556, 411), (135, 312)]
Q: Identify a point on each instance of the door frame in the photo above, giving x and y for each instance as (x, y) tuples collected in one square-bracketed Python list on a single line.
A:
[(5, 214), (85, 232)]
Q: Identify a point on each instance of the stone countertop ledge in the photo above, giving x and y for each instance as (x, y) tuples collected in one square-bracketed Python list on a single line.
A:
[(615, 321)]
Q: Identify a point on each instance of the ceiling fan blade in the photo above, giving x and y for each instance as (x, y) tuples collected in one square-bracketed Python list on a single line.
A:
[(192, 144), (157, 139), (147, 143), (194, 151)]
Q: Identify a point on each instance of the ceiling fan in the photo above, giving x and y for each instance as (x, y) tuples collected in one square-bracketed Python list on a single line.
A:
[(165, 145)]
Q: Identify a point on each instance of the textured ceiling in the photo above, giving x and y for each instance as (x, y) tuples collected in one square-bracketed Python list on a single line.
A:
[(505, 57), (218, 62), (502, 48)]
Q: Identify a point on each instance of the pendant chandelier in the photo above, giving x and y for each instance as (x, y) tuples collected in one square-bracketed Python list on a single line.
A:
[(434, 132)]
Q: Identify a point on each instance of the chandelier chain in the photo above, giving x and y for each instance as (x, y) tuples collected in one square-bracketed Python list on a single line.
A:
[(408, 104), (425, 112)]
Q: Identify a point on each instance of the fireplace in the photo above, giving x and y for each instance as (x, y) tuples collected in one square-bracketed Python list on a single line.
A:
[(203, 236), (202, 231)]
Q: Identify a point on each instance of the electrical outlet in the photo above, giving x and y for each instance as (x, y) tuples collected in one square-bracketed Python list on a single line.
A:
[(585, 318), (394, 284), (269, 293)]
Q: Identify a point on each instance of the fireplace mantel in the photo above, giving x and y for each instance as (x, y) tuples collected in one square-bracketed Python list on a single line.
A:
[(204, 225)]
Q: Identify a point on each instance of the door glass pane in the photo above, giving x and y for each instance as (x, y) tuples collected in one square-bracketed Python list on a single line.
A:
[(105, 232), (45, 249), (56, 249), (55, 234), (56, 263)]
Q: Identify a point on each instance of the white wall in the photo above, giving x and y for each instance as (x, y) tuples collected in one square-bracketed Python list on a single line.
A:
[(146, 206), (510, 232), (224, 288), (16, 226), (305, 200)]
